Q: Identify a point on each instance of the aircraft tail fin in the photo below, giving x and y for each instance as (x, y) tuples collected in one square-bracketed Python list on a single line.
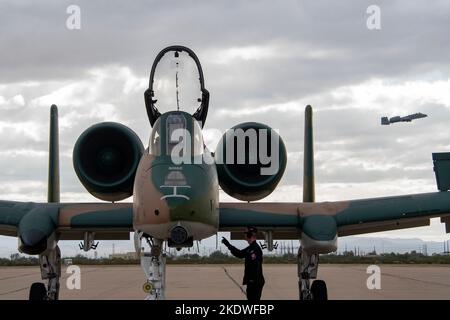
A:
[(53, 190), (308, 158), (441, 168)]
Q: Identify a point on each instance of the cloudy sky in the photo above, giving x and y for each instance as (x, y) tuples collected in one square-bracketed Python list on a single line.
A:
[(262, 60)]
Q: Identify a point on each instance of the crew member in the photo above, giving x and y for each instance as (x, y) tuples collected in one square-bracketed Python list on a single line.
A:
[(253, 274)]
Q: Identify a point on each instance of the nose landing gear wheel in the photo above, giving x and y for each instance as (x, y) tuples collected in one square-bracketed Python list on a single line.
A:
[(319, 290), (38, 292)]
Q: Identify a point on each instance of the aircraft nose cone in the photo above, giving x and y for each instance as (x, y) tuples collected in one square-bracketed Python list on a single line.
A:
[(33, 241)]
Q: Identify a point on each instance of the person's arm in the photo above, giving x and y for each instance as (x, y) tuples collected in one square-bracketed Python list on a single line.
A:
[(234, 251), (237, 253)]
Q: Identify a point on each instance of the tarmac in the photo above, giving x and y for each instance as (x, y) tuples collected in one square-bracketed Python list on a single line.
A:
[(209, 282)]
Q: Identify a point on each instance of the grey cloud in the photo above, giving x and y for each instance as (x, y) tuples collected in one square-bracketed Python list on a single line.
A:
[(318, 46), (132, 35)]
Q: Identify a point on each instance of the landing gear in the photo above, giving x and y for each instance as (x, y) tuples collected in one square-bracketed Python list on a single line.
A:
[(38, 291), (154, 265), (50, 264), (307, 265), (319, 290)]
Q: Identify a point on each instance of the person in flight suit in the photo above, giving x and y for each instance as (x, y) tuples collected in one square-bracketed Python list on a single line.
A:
[(253, 273)]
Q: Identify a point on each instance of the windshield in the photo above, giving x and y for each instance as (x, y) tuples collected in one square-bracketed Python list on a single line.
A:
[(155, 139), (178, 133)]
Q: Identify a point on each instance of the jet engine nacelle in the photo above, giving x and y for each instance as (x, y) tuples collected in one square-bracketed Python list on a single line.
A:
[(105, 158), (250, 159)]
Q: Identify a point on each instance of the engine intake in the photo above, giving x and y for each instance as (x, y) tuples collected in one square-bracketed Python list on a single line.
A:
[(251, 159), (105, 159)]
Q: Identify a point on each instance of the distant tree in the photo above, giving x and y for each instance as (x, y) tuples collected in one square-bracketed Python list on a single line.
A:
[(348, 253), (218, 255), (14, 256), (195, 256)]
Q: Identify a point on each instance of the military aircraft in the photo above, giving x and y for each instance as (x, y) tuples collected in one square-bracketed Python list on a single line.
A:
[(177, 202), (408, 118)]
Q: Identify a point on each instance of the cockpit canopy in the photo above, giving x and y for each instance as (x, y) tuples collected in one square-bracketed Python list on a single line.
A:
[(176, 133)]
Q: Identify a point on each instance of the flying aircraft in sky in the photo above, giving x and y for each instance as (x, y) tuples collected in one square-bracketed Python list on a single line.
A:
[(175, 187), (408, 118)]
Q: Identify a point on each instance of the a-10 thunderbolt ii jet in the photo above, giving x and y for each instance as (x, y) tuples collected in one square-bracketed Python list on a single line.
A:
[(175, 188), (408, 118)]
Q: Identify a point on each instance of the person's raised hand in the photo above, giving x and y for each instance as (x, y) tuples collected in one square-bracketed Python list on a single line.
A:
[(225, 241)]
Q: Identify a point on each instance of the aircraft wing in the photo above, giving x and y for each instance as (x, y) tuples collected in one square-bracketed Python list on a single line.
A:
[(282, 218), (10, 216), (341, 218), (68, 220), (391, 213)]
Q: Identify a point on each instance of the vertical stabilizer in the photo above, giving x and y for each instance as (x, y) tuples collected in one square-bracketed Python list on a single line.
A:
[(308, 158), (53, 157)]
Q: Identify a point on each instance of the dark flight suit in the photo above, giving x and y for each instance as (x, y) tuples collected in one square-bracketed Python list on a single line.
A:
[(253, 274)]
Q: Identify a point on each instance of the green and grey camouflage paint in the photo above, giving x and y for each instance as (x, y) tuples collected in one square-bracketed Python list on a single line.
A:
[(40, 225)]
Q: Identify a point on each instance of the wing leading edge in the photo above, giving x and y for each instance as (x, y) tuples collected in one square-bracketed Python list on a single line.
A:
[(68, 220), (350, 217)]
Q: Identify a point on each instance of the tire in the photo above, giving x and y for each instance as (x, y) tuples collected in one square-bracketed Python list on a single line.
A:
[(38, 292), (319, 290)]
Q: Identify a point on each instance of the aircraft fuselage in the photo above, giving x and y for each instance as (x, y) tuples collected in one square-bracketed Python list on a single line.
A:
[(175, 202)]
